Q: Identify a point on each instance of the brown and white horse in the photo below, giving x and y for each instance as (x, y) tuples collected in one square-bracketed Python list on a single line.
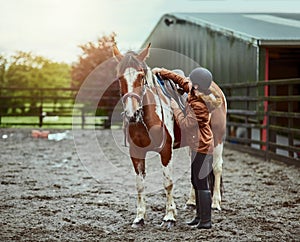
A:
[(150, 126)]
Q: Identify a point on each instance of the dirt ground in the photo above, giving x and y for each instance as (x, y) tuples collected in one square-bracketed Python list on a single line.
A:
[(66, 191)]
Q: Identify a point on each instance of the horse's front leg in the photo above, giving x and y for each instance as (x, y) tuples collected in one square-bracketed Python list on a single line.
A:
[(217, 169), (171, 212), (139, 167)]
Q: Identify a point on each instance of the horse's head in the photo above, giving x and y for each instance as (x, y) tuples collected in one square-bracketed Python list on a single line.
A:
[(132, 74)]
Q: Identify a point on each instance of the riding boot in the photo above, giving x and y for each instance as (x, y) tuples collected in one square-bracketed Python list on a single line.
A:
[(204, 197), (196, 220)]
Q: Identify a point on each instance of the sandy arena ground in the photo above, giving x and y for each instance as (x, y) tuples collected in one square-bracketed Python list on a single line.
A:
[(49, 192)]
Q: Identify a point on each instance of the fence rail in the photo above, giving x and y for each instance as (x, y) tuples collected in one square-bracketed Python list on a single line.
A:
[(262, 116), (265, 116), (51, 107)]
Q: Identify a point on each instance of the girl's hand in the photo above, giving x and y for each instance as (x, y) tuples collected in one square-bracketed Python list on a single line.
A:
[(156, 70)]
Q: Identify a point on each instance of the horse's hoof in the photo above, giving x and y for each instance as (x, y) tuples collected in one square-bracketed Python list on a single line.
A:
[(168, 224), (138, 224), (216, 207)]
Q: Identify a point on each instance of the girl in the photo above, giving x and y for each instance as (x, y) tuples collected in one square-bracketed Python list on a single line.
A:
[(195, 125)]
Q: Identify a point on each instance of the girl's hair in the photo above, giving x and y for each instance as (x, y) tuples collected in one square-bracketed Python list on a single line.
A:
[(210, 97)]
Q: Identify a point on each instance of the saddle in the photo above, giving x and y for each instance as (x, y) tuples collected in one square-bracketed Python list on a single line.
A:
[(172, 90)]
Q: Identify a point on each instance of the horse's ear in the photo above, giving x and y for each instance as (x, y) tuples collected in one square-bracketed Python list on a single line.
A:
[(116, 53), (144, 53)]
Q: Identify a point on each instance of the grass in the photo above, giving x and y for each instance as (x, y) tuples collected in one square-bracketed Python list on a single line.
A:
[(57, 122)]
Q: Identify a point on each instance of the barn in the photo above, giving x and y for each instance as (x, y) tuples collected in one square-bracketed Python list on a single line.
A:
[(237, 47), (243, 48)]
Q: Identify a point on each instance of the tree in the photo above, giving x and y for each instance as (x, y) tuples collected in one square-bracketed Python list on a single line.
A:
[(26, 70), (3, 66), (93, 55), (4, 102), (29, 71)]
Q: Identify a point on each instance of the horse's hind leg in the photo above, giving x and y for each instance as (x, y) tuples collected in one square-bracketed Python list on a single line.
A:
[(217, 169), (191, 202), (139, 166)]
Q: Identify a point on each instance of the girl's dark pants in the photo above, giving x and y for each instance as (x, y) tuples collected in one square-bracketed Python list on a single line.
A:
[(201, 167)]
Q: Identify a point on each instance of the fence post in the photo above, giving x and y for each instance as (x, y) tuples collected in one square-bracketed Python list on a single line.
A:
[(1, 111), (290, 120), (248, 130), (41, 115), (267, 144), (82, 118)]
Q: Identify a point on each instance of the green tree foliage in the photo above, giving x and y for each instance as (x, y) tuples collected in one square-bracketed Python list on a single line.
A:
[(93, 54), (3, 64), (29, 71), (4, 102), (96, 54), (23, 71)]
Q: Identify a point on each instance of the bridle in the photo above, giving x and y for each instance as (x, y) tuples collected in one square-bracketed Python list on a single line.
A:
[(139, 114), (136, 96)]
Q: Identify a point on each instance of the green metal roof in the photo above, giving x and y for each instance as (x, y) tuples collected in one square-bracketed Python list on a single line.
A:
[(262, 28)]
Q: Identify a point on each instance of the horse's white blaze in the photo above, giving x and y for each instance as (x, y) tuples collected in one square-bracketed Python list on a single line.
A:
[(217, 169), (171, 211), (141, 205), (130, 75)]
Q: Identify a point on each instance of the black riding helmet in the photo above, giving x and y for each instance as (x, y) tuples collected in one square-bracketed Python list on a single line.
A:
[(201, 77)]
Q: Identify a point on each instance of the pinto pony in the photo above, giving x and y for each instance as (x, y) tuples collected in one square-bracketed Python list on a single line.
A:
[(149, 123), (149, 126)]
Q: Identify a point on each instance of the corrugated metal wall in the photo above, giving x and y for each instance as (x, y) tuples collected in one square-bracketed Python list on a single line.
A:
[(229, 58)]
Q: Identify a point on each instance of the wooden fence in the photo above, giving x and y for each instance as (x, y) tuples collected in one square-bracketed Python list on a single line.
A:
[(50, 107), (263, 117)]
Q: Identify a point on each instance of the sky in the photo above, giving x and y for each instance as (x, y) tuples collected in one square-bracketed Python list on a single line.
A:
[(56, 28)]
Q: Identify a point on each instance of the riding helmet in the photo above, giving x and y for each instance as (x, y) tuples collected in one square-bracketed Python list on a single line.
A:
[(202, 77)]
